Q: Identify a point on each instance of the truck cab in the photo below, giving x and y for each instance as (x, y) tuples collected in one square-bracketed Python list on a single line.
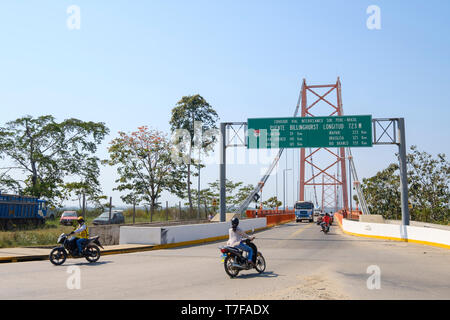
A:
[(304, 210), (42, 209)]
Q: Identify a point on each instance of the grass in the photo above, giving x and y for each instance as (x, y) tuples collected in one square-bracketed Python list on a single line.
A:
[(27, 238), (27, 235)]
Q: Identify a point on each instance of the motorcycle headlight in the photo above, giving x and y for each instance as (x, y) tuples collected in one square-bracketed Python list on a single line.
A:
[(61, 238)]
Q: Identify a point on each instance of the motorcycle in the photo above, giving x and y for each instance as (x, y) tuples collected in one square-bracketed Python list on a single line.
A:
[(325, 227), (235, 260), (90, 250)]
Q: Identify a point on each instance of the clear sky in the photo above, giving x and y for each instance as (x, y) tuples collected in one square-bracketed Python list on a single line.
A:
[(131, 61)]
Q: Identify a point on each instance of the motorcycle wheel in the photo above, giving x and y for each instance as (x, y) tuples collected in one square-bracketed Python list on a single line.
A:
[(228, 264), (92, 253), (260, 263), (58, 256)]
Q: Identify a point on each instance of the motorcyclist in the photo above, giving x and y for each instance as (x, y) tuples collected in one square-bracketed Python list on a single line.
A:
[(236, 236), (326, 220), (319, 220), (81, 234)]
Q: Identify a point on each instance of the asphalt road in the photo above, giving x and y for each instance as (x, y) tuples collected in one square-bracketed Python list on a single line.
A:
[(302, 263)]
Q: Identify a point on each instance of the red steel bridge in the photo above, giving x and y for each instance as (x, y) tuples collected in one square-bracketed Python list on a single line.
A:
[(329, 172)]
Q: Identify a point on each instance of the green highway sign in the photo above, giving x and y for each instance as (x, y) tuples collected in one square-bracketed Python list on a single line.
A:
[(310, 132)]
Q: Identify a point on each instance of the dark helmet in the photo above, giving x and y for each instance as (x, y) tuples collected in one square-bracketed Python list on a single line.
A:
[(80, 220), (234, 222)]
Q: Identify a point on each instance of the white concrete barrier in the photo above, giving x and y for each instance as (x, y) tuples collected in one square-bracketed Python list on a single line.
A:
[(140, 235), (183, 233), (429, 236)]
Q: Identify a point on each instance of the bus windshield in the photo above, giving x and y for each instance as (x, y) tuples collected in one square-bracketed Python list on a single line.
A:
[(304, 205)]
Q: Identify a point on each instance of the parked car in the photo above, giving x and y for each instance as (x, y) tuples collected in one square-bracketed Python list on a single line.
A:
[(68, 217), (116, 218)]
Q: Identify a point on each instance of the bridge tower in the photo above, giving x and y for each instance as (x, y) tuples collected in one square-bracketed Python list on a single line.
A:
[(335, 159)]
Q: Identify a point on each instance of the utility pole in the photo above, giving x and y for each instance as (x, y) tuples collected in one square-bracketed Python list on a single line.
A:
[(110, 208), (285, 208), (293, 176), (84, 205), (222, 165), (276, 183), (323, 194), (167, 210), (403, 172), (134, 211), (284, 188), (198, 187), (391, 138), (350, 184)]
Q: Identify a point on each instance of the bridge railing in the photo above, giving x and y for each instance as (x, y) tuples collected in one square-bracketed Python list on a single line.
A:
[(264, 213), (353, 215)]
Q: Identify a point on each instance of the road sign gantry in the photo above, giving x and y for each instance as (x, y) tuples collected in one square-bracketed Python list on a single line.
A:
[(310, 132)]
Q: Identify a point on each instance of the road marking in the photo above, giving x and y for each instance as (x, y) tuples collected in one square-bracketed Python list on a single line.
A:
[(292, 235), (300, 231)]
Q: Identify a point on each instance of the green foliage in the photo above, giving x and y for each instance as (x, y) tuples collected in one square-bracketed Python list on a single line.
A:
[(48, 151), (144, 166), (187, 114), (429, 180), (91, 190), (236, 193), (382, 193), (272, 203), (428, 184), (190, 109), (7, 183)]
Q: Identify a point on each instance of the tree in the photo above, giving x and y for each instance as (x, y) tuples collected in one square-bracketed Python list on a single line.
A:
[(382, 193), (242, 193), (91, 190), (7, 183), (429, 181), (188, 112), (236, 193), (272, 203), (47, 151), (144, 166), (428, 189)]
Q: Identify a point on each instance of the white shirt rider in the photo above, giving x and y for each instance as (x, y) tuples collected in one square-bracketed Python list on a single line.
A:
[(235, 237)]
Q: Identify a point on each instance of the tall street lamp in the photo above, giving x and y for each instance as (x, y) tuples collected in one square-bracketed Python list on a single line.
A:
[(284, 187)]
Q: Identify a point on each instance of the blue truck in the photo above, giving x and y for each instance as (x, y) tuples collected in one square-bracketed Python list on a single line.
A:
[(17, 209), (304, 210)]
